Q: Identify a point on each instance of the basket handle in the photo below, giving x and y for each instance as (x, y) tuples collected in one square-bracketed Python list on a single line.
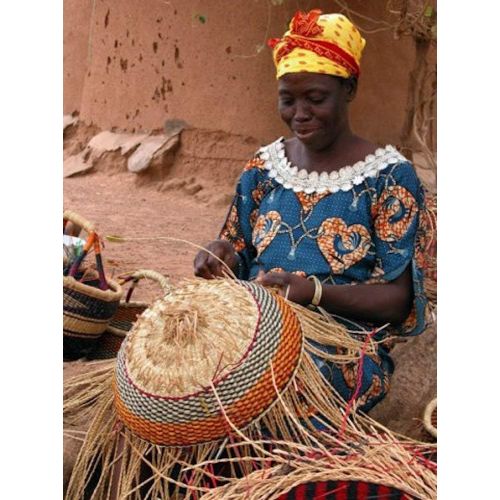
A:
[(70, 216), (92, 241), (148, 274), (428, 417)]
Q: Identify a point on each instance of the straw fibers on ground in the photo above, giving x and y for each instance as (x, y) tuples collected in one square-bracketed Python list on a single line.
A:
[(380, 460), (133, 402)]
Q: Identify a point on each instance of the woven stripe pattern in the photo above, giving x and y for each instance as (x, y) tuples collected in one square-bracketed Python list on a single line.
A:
[(246, 391), (86, 314), (109, 343), (125, 317), (343, 490), (107, 346)]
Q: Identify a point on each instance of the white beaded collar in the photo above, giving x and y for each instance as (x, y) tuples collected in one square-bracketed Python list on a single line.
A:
[(290, 177)]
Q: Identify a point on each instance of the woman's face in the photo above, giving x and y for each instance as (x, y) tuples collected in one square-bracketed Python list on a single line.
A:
[(314, 106)]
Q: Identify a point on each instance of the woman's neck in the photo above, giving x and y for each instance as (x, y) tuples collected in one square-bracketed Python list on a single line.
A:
[(345, 149)]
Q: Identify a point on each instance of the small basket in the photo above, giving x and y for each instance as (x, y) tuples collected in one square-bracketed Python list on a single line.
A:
[(87, 309), (430, 418), (127, 313)]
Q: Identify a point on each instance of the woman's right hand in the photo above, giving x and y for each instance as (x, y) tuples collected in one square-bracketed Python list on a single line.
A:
[(207, 266)]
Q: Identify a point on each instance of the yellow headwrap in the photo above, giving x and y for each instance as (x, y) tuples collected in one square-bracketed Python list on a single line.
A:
[(316, 43)]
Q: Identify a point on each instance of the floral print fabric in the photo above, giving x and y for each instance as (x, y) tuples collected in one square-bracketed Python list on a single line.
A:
[(368, 233)]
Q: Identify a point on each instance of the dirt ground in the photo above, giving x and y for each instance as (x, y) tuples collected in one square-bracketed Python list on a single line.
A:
[(118, 207), (120, 203)]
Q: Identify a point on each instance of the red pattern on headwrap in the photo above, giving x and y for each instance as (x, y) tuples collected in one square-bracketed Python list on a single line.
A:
[(321, 48), (305, 24), (304, 28)]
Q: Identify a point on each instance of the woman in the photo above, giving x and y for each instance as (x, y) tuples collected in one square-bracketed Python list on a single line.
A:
[(330, 218)]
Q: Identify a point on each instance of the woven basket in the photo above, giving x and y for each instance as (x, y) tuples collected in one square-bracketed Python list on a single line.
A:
[(170, 385), (346, 490), (127, 313), (87, 309), (430, 418)]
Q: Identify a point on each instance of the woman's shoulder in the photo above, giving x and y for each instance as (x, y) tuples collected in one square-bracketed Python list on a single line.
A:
[(399, 175), (264, 158), (256, 169), (398, 168)]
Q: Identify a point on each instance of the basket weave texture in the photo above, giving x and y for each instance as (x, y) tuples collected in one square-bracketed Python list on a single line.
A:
[(346, 490), (121, 323), (86, 314), (174, 412), (87, 309)]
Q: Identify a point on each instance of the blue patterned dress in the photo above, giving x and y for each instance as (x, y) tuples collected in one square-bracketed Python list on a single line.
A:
[(360, 224)]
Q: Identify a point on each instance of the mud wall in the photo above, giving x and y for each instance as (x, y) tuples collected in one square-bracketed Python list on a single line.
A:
[(131, 64)]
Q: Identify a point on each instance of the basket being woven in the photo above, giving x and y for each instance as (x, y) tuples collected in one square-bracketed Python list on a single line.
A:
[(126, 315), (186, 357), (87, 309), (212, 362)]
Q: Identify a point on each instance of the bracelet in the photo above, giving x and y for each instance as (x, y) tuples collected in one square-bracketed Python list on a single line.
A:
[(318, 290)]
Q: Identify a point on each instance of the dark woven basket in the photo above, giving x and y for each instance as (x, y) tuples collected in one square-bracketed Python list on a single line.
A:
[(127, 313), (87, 308), (345, 490)]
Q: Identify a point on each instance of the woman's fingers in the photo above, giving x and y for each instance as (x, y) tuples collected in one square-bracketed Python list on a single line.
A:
[(272, 279), (293, 287), (214, 266), (279, 280), (201, 268), (207, 263)]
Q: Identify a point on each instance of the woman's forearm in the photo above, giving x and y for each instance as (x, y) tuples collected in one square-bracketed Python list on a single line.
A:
[(376, 303)]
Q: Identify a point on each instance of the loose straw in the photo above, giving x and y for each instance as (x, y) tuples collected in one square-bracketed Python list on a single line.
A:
[(121, 239)]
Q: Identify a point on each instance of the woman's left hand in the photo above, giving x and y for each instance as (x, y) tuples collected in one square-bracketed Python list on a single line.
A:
[(293, 287)]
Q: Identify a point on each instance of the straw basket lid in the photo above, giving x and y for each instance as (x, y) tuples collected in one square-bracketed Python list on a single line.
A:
[(205, 345)]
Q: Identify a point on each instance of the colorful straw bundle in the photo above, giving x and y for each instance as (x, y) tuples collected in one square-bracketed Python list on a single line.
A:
[(127, 313), (212, 363), (376, 467), (87, 309)]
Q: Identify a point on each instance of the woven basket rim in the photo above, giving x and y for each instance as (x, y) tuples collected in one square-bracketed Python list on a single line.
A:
[(431, 406), (134, 304), (228, 388), (117, 332), (216, 381), (113, 294)]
